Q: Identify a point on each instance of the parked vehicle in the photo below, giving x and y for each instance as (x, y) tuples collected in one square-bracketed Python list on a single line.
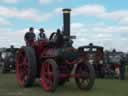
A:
[(95, 55)]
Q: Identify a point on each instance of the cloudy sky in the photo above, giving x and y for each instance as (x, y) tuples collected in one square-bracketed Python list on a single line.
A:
[(103, 22)]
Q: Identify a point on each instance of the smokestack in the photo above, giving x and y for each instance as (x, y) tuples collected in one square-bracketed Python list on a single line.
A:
[(66, 22)]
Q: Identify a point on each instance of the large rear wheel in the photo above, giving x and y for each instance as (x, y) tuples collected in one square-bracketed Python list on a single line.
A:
[(86, 77), (49, 75), (26, 66)]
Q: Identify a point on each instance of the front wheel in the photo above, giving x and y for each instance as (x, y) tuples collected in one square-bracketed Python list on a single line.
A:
[(49, 75), (86, 77)]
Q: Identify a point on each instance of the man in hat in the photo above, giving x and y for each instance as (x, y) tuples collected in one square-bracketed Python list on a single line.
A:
[(41, 35), (30, 37)]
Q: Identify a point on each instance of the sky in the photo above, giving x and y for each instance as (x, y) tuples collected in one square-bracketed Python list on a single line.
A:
[(102, 22)]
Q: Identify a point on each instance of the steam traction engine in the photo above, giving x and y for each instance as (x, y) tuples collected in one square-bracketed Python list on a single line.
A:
[(54, 61)]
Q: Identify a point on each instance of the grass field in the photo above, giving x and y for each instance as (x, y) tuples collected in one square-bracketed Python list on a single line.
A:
[(9, 87)]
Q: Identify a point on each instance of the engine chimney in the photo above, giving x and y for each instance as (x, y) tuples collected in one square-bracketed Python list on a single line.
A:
[(66, 22)]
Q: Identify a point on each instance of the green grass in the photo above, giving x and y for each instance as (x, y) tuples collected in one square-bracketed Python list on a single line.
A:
[(9, 87)]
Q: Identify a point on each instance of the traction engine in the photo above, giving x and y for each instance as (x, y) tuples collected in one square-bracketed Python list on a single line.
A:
[(54, 61)]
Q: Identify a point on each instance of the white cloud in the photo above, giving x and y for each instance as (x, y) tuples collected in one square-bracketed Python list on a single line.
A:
[(110, 29), (124, 21), (99, 11), (91, 10), (48, 1), (9, 1), (116, 15), (4, 22), (30, 14), (77, 25)]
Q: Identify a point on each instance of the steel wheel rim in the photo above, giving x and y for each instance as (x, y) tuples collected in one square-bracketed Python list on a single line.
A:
[(83, 80), (47, 77), (22, 67)]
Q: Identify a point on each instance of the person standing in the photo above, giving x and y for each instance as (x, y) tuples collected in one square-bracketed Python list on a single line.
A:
[(122, 68), (30, 37), (41, 35)]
